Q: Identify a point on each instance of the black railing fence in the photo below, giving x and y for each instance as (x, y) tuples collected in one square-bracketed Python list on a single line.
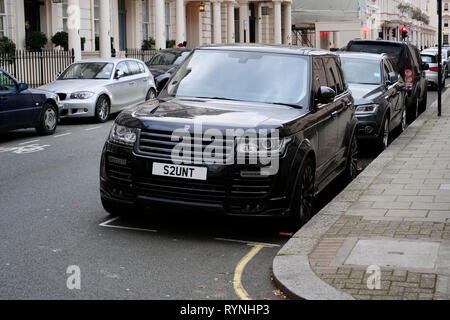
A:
[(36, 68), (140, 54)]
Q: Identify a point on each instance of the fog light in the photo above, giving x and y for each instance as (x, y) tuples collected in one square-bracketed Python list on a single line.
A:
[(85, 110), (368, 129)]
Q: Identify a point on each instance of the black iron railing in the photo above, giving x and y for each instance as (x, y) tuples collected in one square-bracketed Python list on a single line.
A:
[(140, 54), (36, 68)]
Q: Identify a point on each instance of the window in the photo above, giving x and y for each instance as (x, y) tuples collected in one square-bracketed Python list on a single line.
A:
[(89, 70), (3, 23), (334, 77), (133, 67), (97, 24), (123, 67), (320, 78), (446, 7), (445, 38), (145, 20), (168, 35), (7, 83), (65, 17), (446, 23)]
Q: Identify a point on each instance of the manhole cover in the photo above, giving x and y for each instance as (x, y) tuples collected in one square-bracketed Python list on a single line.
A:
[(394, 253)]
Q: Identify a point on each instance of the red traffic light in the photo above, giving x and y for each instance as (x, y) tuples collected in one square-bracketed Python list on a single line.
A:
[(404, 29)]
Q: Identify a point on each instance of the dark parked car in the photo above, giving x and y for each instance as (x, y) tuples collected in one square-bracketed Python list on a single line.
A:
[(235, 93), (163, 64), (409, 63), (379, 94), (22, 107)]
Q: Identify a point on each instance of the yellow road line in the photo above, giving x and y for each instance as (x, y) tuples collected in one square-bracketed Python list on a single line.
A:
[(237, 281)]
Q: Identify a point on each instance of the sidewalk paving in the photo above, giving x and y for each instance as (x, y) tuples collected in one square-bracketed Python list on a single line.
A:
[(394, 216)]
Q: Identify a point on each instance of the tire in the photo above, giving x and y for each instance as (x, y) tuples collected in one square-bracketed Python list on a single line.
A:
[(48, 120), (413, 112), (303, 202), (351, 168), (151, 94), (116, 209), (102, 109), (423, 102), (383, 138), (402, 126)]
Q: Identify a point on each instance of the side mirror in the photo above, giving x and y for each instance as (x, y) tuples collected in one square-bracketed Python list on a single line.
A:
[(326, 95), (119, 74), (23, 86), (425, 66), (393, 78)]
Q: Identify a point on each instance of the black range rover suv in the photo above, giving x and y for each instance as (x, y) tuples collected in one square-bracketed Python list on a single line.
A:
[(251, 102)]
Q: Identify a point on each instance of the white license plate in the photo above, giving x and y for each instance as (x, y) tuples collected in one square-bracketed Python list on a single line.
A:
[(178, 171)]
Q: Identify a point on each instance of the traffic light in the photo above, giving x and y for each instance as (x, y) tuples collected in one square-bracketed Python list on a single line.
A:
[(404, 32)]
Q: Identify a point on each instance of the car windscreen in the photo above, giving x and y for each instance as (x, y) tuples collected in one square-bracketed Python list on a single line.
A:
[(91, 70), (361, 71), (167, 58), (243, 76), (393, 51), (428, 58)]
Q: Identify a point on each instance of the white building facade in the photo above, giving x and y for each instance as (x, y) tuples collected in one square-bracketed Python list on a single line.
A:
[(129, 22)]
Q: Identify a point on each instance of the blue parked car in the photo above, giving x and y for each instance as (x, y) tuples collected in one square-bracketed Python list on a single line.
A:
[(23, 107)]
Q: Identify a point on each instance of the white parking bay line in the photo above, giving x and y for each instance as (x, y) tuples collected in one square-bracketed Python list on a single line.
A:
[(248, 242), (29, 142), (62, 135), (106, 224), (93, 128)]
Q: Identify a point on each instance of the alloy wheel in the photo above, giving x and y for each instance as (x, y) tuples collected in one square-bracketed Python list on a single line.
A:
[(404, 120), (150, 95), (353, 167), (307, 193), (50, 119), (103, 109), (386, 134)]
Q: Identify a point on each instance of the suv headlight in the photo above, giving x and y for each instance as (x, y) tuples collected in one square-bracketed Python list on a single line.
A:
[(82, 95), (264, 147), (123, 135), (367, 109)]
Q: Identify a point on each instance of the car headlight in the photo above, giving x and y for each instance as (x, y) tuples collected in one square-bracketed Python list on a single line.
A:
[(123, 135), (82, 95), (262, 147), (367, 109)]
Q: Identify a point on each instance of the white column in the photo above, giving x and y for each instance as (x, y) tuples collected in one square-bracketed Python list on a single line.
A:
[(73, 25), (217, 26), (230, 23), (287, 24), (259, 23), (160, 24), (105, 26), (20, 25), (277, 21), (180, 22)]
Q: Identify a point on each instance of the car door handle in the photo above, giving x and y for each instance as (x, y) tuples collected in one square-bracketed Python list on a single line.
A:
[(334, 113), (132, 83)]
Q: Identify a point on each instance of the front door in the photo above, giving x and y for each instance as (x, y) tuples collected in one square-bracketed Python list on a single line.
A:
[(192, 26), (122, 26), (32, 16)]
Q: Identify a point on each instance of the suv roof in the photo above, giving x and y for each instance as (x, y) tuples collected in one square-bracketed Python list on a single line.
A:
[(383, 42), (305, 51), (363, 55)]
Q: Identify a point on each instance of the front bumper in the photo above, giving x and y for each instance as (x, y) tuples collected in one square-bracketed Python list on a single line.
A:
[(126, 178), (75, 108), (368, 127)]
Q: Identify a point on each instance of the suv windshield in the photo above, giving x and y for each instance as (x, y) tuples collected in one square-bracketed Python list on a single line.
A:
[(361, 71), (393, 51), (168, 58), (244, 76), (92, 70)]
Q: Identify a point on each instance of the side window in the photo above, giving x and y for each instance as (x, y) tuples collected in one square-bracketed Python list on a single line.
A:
[(319, 76), (333, 76), (340, 75), (141, 68), (133, 67), (122, 66), (386, 71), (6, 83)]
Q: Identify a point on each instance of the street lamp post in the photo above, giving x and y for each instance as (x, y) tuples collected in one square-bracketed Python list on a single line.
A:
[(439, 6)]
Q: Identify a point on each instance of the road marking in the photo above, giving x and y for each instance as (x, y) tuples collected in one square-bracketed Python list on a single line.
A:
[(267, 245), (62, 135), (93, 128), (28, 142), (106, 224), (237, 280)]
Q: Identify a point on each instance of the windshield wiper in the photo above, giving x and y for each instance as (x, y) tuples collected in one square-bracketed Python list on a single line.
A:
[(288, 104), (218, 98)]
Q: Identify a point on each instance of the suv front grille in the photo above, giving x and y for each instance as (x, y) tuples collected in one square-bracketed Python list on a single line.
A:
[(62, 96), (158, 144)]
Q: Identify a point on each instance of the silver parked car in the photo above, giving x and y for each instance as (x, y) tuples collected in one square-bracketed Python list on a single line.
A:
[(431, 58), (98, 87)]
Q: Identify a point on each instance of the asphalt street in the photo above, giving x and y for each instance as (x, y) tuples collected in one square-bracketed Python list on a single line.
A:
[(52, 218)]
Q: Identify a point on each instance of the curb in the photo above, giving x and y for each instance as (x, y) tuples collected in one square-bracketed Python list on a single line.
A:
[(291, 270)]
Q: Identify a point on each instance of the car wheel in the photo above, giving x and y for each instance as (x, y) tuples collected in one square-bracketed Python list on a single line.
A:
[(402, 125), (102, 109), (303, 202), (151, 94), (413, 112), (383, 138), (49, 119), (352, 160), (116, 209), (423, 102)]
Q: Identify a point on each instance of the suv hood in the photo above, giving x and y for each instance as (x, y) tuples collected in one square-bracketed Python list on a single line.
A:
[(211, 113), (365, 93), (69, 86)]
